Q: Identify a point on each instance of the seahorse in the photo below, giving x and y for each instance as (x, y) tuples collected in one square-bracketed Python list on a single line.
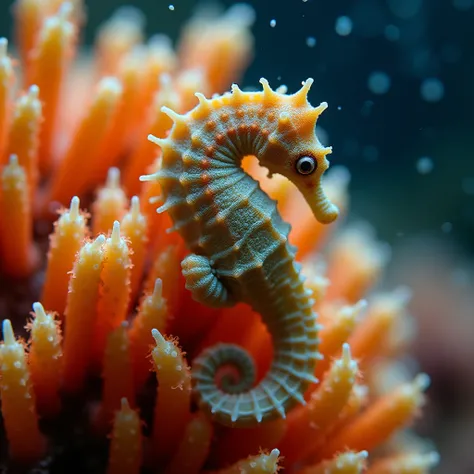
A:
[(238, 242)]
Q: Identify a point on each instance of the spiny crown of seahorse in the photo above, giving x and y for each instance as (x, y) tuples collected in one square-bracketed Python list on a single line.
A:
[(288, 144), (239, 243)]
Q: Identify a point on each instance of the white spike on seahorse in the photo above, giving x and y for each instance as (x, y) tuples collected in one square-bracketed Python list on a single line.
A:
[(202, 99), (301, 97), (161, 142), (236, 92), (174, 116), (267, 90)]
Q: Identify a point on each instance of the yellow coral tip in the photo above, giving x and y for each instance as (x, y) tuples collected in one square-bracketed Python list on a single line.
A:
[(135, 206), (158, 288), (74, 208), (98, 242), (113, 178), (346, 353), (109, 86), (115, 237), (33, 92), (124, 405), (8, 336), (272, 458), (158, 337), (39, 311)]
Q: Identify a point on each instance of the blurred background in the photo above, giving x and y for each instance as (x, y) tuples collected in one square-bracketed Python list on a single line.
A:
[(398, 77)]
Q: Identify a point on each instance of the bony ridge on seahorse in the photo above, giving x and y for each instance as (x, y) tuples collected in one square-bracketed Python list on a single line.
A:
[(239, 242)]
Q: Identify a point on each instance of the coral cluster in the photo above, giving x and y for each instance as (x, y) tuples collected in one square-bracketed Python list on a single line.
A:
[(101, 381)]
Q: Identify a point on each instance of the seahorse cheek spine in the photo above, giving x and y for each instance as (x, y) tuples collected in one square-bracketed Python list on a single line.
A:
[(239, 243)]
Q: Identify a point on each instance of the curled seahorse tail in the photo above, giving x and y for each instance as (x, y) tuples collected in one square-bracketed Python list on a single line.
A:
[(224, 376)]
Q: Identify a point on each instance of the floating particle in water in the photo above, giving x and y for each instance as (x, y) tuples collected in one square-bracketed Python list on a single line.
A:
[(171, 7), (343, 26), (424, 165), (463, 5), (273, 23), (392, 32), (311, 41), (405, 8), (446, 227), (432, 89), (379, 82), (339, 107)]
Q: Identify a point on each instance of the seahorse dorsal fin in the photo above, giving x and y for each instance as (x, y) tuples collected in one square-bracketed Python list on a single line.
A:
[(236, 91)]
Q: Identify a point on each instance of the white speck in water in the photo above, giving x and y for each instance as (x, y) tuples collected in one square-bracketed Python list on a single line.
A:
[(343, 26), (171, 7), (311, 41), (379, 82), (424, 165), (446, 227), (273, 23), (392, 32), (339, 107), (432, 89)]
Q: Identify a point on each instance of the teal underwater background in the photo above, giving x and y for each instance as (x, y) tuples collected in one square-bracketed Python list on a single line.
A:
[(380, 137)]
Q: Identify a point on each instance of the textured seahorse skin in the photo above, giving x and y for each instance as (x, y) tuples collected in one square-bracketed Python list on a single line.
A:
[(239, 243)]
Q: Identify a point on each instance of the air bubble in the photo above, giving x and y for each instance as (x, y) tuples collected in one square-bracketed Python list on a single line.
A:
[(432, 90), (379, 82), (392, 32), (343, 26), (446, 227), (424, 165)]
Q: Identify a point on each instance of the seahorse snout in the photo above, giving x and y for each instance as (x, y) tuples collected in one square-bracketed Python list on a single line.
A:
[(323, 209)]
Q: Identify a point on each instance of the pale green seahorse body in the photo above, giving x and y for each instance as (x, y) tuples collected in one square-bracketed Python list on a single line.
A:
[(238, 241)]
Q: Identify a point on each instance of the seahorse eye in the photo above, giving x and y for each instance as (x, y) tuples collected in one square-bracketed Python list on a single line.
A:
[(305, 165)]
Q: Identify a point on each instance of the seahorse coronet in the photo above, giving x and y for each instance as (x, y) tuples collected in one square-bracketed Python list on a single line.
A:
[(239, 248)]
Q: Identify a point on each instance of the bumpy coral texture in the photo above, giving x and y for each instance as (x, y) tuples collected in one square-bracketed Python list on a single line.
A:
[(239, 242)]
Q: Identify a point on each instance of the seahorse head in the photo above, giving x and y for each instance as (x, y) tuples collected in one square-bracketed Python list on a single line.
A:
[(293, 149)]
